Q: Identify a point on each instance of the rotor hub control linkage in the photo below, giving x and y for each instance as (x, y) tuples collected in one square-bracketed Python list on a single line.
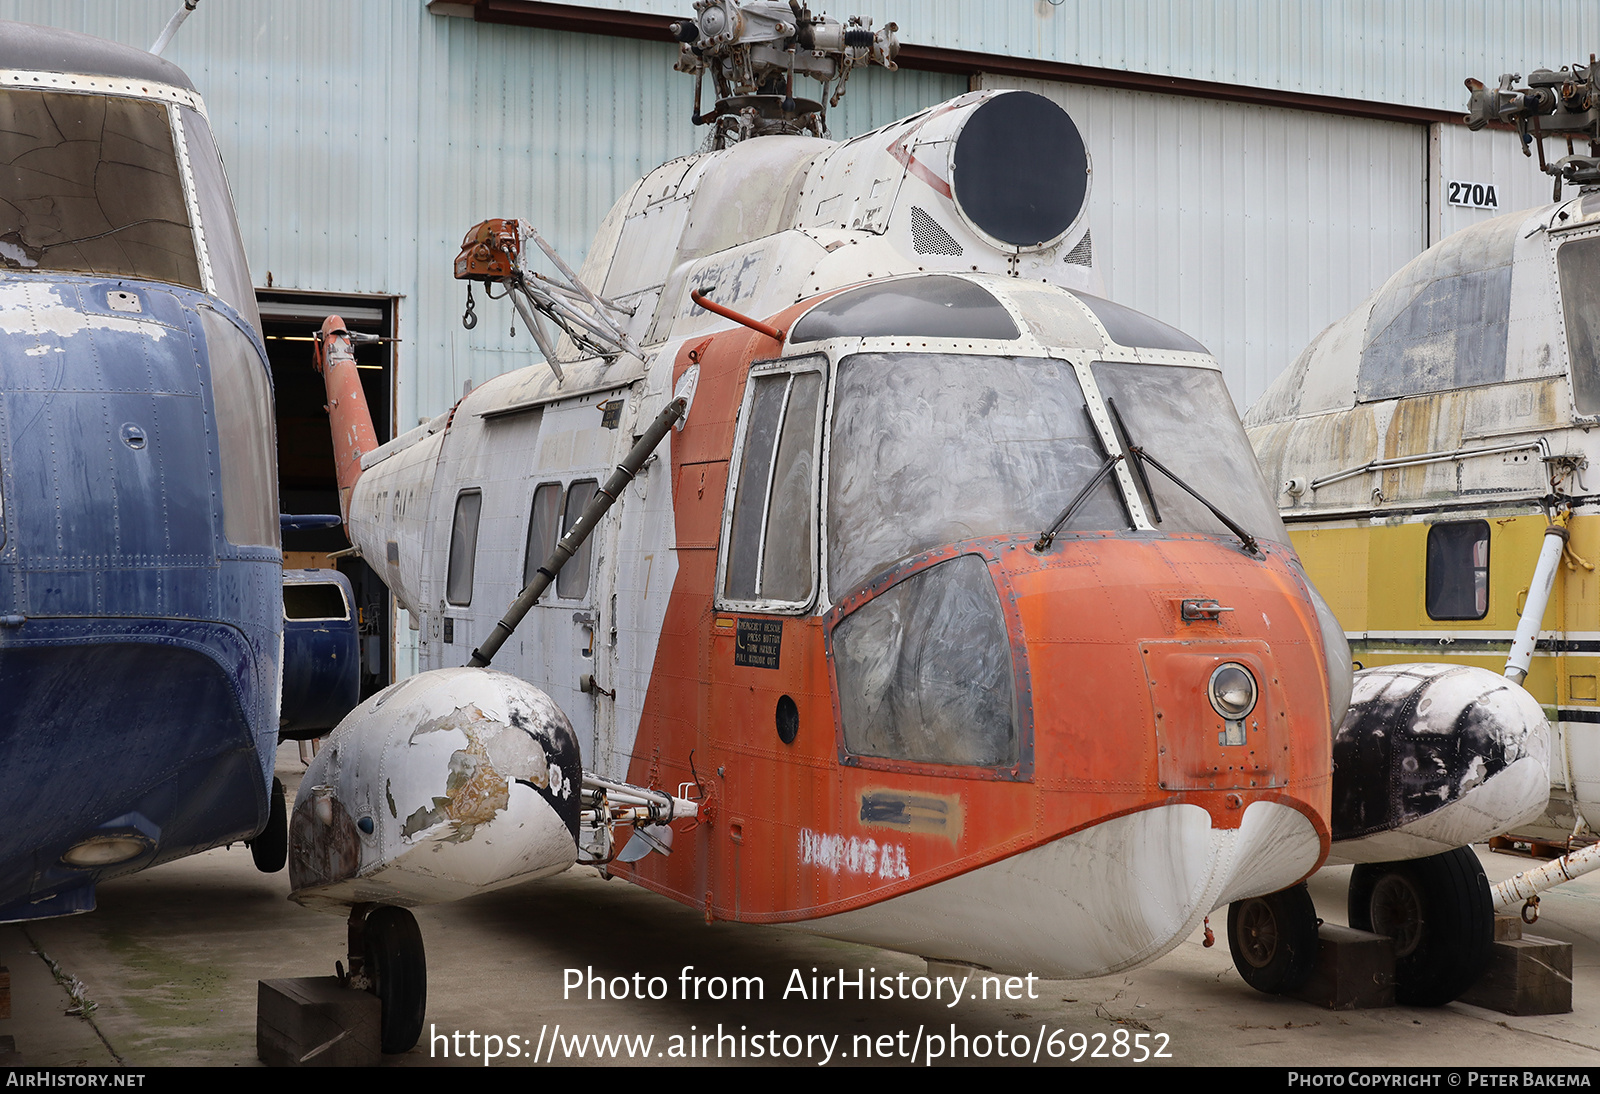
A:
[(1563, 104)]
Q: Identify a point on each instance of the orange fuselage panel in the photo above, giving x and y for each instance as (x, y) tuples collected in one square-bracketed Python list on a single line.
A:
[(1110, 693)]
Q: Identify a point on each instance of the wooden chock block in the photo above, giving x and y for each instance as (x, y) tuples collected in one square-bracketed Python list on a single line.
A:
[(1507, 928), (314, 1021), (1527, 975), (1354, 970)]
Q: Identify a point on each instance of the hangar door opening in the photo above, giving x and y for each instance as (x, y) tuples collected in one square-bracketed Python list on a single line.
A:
[(306, 483)]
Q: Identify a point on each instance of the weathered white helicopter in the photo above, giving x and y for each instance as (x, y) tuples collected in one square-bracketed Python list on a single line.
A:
[(1433, 448), (912, 635)]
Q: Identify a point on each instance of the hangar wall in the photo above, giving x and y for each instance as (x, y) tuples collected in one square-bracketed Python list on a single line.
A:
[(1248, 227), (363, 137), (1415, 52)]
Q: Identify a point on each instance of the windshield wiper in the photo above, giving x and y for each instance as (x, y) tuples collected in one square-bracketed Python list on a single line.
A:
[(1140, 457), (1048, 536)]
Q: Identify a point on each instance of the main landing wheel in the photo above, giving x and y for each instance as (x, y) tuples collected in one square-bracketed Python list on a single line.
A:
[(270, 849), (395, 964), (1440, 914), (1273, 939)]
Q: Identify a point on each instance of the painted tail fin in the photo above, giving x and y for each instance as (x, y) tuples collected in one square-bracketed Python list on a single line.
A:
[(348, 414)]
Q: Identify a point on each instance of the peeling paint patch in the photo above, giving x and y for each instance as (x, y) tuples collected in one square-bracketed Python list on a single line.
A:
[(323, 841), (853, 855), (31, 308), (479, 777)]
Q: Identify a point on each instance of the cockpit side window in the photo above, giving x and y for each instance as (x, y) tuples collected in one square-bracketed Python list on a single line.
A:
[(771, 543), (224, 248), (1579, 265), (241, 393), (92, 184)]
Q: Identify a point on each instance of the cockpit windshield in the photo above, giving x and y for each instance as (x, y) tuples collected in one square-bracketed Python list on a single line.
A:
[(929, 449), (92, 184), (1184, 418)]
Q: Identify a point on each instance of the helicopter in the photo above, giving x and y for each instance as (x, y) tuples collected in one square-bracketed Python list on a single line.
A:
[(143, 602), (869, 571), (1433, 448)]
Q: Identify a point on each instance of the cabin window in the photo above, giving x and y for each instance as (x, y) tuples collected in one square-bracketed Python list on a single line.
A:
[(1579, 265), (936, 306), (771, 539), (92, 185), (544, 523), (572, 583), (1458, 570), (463, 548), (314, 600), (932, 448)]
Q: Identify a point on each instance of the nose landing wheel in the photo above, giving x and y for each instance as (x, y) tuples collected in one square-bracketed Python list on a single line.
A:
[(1439, 913), (270, 849), (387, 959), (1273, 939)]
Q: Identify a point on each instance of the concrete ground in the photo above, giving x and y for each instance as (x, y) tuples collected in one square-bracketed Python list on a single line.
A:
[(170, 960)]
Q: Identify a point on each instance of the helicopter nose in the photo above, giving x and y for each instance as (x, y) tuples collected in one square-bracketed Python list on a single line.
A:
[(1111, 896), (1141, 727), (1174, 670)]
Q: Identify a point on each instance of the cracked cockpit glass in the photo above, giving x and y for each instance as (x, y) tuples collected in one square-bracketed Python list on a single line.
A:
[(92, 184)]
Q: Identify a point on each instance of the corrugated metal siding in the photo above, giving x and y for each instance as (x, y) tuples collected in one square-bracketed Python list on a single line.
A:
[(1415, 52), (1251, 228), (1490, 157), (363, 138)]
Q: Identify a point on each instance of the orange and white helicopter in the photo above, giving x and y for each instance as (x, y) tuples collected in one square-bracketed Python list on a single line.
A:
[(941, 607)]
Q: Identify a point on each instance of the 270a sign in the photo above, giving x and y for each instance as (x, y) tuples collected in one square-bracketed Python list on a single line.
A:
[(1472, 195)]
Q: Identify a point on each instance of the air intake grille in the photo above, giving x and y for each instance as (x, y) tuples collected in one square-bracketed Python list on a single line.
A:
[(1083, 253), (928, 237)]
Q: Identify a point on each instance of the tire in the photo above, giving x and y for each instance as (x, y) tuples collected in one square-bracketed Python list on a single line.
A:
[(398, 969), (270, 849), (1439, 913), (1273, 939)]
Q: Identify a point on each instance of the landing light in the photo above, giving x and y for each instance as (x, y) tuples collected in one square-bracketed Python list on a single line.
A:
[(104, 851), (1232, 691)]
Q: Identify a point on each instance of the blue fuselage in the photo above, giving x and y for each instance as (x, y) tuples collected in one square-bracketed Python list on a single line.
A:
[(139, 648)]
